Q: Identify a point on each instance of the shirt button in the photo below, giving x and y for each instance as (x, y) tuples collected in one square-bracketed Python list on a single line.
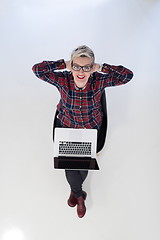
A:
[(80, 106), (80, 97)]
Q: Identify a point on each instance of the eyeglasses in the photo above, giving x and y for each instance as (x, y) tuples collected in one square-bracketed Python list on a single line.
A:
[(77, 67)]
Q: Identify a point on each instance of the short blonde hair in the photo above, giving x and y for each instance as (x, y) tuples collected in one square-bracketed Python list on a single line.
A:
[(83, 51)]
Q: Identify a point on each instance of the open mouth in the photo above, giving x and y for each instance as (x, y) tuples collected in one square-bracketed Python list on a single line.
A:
[(80, 77)]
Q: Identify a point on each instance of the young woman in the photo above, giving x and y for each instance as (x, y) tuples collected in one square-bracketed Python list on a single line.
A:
[(81, 87)]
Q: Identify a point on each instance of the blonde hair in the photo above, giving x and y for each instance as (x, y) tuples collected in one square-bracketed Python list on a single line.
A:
[(83, 51)]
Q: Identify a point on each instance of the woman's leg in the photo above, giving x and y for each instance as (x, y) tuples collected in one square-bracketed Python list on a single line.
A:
[(75, 179), (83, 175)]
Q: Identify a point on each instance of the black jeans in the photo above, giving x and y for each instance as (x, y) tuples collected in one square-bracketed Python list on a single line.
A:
[(75, 178)]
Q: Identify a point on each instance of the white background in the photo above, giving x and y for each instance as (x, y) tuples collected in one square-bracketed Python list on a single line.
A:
[(123, 197)]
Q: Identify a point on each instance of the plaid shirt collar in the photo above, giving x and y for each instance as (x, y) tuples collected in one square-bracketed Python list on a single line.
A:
[(77, 88)]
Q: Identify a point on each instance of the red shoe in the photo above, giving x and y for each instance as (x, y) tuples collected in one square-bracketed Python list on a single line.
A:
[(72, 201), (81, 208)]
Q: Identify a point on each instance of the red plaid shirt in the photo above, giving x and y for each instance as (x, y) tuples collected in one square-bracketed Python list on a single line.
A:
[(81, 108)]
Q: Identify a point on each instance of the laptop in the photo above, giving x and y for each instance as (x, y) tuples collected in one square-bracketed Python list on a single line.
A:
[(75, 149)]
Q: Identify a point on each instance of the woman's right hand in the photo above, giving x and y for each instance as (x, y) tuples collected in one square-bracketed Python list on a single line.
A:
[(68, 65)]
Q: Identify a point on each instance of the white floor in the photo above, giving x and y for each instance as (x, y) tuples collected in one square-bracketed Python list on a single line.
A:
[(123, 197)]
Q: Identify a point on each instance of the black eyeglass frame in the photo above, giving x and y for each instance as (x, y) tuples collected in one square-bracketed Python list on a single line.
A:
[(82, 67)]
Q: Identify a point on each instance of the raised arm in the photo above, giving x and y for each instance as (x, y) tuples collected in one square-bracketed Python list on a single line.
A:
[(46, 71), (113, 75)]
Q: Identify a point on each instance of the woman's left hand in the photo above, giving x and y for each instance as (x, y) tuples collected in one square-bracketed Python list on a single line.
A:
[(96, 67)]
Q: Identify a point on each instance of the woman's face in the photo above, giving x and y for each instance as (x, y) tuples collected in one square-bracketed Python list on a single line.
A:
[(81, 75)]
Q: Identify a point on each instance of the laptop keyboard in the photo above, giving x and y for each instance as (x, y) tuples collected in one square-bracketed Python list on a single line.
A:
[(78, 148)]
